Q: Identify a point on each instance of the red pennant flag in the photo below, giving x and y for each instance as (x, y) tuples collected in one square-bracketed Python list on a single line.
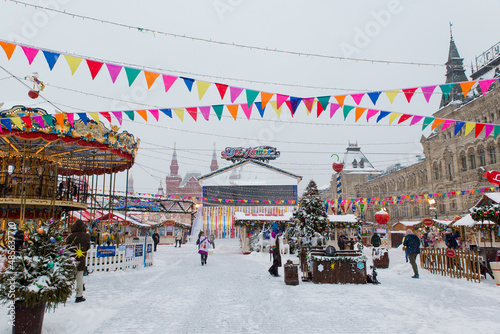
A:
[(94, 67), (222, 90), (193, 111), (479, 128), (319, 109), (106, 115), (404, 117), (27, 121), (409, 93)]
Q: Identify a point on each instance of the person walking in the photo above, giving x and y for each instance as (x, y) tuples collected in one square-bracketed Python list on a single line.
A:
[(18, 239), (275, 251), (80, 239), (203, 244), (178, 238), (156, 239), (412, 247), (212, 240), (376, 240)]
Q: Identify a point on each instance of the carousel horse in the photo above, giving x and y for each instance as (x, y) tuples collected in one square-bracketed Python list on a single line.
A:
[(263, 243)]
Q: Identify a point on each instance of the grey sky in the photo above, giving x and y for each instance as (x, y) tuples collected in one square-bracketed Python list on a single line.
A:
[(396, 30)]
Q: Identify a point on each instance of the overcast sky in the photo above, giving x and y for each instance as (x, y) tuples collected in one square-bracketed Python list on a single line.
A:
[(395, 30)]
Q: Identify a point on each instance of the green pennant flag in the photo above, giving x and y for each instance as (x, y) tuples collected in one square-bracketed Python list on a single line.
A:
[(48, 119), (347, 110), (251, 96), (427, 121), (130, 114), (218, 110), (497, 130), (132, 74), (323, 100), (446, 89)]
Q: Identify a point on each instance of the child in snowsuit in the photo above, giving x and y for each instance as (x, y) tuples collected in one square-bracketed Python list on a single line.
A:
[(203, 244)]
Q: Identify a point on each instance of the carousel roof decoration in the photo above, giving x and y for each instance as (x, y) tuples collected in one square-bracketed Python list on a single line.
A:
[(79, 147)]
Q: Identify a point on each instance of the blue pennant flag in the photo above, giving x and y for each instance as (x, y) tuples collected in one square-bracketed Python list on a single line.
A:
[(189, 82), (260, 109)]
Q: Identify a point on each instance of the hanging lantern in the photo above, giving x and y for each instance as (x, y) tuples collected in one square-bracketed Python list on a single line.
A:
[(33, 94), (382, 217), (337, 166), (38, 85)]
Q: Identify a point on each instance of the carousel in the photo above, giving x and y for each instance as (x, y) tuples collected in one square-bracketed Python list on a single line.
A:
[(50, 163)]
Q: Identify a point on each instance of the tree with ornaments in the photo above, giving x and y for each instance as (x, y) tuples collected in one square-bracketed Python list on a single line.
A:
[(309, 217), (43, 272)]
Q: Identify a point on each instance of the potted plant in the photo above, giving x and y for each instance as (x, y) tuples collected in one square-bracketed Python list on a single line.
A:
[(38, 277)]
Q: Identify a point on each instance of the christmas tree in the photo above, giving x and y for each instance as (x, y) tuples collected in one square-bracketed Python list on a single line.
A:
[(42, 272), (310, 216)]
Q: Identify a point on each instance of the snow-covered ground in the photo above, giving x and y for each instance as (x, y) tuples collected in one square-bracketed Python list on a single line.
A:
[(234, 293)]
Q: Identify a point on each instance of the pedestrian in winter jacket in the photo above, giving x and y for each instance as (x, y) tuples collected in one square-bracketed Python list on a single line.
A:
[(178, 238), (412, 247), (376, 240), (203, 244), (275, 251), (80, 239), (156, 239)]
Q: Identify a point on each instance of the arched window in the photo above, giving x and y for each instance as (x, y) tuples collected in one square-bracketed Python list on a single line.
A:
[(493, 154), (463, 160), (435, 171), (472, 161), (482, 157)]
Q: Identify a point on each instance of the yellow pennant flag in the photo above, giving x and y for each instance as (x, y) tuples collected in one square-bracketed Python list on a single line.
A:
[(17, 121), (436, 122), (233, 110), (391, 94), (60, 119), (180, 113), (469, 127), (202, 88), (265, 97), (143, 114), (94, 115), (150, 78), (73, 63), (275, 107), (359, 112), (393, 116)]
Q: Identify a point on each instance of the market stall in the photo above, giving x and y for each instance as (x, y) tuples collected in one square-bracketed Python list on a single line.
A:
[(344, 227)]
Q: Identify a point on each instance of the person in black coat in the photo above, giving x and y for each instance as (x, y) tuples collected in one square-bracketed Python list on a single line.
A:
[(156, 239), (412, 247), (376, 240), (80, 239), (18, 240)]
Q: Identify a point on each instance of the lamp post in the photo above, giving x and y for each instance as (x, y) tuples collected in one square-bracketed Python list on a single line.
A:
[(432, 206)]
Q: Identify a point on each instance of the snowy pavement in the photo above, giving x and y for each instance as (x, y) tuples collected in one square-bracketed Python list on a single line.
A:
[(234, 293)]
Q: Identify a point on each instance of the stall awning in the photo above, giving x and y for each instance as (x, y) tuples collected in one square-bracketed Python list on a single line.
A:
[(84, 215), (342, 218), (444, 222), (467, 221), (262, 216), (410, 223)]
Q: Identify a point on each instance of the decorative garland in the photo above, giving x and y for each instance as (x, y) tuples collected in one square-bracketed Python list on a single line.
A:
[(488, 212), (355, 259)]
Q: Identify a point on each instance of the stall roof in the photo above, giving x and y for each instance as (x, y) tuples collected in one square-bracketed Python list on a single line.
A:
[(467, 221), (444, 222), (261, 216), (488, 198), (342, 218), (84, 215), (410, 223)]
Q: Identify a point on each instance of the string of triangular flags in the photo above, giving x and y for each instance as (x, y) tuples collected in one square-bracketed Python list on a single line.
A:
[(387, 200), (233, 109), (114, 70)]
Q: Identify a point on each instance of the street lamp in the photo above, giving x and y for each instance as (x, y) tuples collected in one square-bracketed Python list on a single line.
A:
[(432, 206)]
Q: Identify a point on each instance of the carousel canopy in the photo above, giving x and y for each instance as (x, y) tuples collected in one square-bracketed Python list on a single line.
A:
[(82, 147), (261, 216)]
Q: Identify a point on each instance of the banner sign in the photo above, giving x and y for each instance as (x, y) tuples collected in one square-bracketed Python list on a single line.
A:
[(135, 203), (263, 153), (106, 251), (129, 251), (139, 250), (149, 248), (488, 56)]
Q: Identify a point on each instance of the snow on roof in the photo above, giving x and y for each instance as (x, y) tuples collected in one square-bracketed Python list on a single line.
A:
[(342, 218), (355, 161), (444, 222), (261, 216), (410, 223), (495, 197), (467, 221)]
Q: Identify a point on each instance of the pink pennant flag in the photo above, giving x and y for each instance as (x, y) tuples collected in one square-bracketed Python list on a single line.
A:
[(427, 91), (71, 118), (118, 115), (333, 108), (155, 113), (39, 120), (370, 113), (485, 85), (205, 112), (416, 119), (280, 99), (357, 97), (247, 110), (447, 123), (235, 92), (30, 53), (113, 70), (168, 81), (487, 129)]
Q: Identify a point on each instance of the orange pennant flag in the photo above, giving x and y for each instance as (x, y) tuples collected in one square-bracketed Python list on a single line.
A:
[(358, 113), (265, 97), (151, 78), (466, 87), (60, 119), (233, 110), (340, 99), (8, 48), (143, 114), (436, 122)]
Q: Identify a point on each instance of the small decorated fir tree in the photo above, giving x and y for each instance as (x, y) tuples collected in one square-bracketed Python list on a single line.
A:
[(43, 272), (310, 216)]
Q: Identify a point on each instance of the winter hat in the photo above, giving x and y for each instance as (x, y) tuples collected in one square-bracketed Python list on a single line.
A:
[(408, 232), (275, 228), (448, 230)]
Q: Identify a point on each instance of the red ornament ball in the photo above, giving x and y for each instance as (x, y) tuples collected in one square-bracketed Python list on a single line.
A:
[(33, 94), (338, 166), (382, 217)]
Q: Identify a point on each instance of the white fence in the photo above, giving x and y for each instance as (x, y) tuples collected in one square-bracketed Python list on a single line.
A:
[(128, 256)]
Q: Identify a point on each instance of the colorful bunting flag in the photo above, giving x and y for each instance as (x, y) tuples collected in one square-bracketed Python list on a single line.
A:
[(409, 93), (347, 110), (155, 113), (27, 121), (447, 123), (358, 113), (393, 116), (193, 112), (189, 84), (382, 115), (458, 126), (479, 128), (205, 112), (113, 70), (118, 115), (370, 113), (436, 122), (485, 85), (94, 67), (168, 81), (234, 92), (391, 94), (487, 129), (427, 122), (51, 58), (130, 114), (468, 127), (280, 99), (415, 119), (260, 108), (150, 78), (404, 117), (143, 114), (265, 98), (466, 87), (180, 113), (17, 122), (39, 120), (83, 117), (132, 74), (6, 123), (233, 110), (247, 109), (251, 96), (30, 53), (218, 110), (167, 112), (340, 99), (222, 90), (496, 131), (9, 50), (357, 98), (106, 115), (73, 63), (427, 91), (374, 97), (446, 89), (202, 88), (277, 109)]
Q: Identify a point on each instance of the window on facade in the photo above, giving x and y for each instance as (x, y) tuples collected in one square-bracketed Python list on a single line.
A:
[(450, 171), (482, 158), (404, 210), (493, 155), (416, 211), (464, 162), (442, 208), (435, 172), (453, 205), (472, 161)]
